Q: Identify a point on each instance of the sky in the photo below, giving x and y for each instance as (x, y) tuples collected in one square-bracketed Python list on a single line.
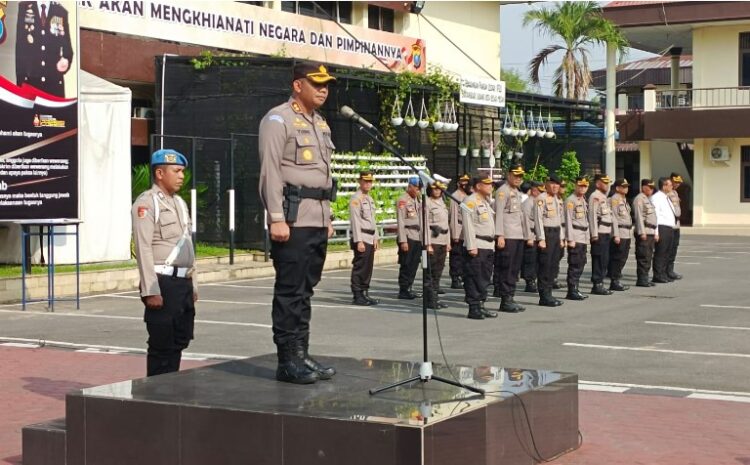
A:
[(520, 44)]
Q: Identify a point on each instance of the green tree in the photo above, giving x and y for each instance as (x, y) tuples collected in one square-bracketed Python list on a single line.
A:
[(514, 81), (570, 169), (578, 25)]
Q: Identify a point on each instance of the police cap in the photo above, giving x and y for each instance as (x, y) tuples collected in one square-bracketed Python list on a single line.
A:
[(168, 157)]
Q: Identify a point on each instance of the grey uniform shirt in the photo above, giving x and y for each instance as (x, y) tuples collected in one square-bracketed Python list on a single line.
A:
[(645, 215), (437, 217), (155, 239), (527, 206), (295, 149), (362, 218), (509, 222), (576, 219), (409, 218), (601, 220), (621, 212), (479, 223), (455, 217), (547, 213), (675, 198)]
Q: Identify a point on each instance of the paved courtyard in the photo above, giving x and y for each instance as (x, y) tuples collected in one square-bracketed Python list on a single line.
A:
[(651, 360)]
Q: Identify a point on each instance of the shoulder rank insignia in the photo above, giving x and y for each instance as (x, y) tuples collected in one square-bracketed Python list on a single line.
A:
[(571, 205), (615, 202), (501, 195), (296, 107), (355, 202), (470, 204), (540, 202)]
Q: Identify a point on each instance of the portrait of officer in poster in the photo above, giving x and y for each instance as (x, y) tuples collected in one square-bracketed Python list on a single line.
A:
[(43, 46)]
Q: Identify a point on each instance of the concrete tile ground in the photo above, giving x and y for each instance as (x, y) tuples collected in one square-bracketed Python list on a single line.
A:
[(617, 428)]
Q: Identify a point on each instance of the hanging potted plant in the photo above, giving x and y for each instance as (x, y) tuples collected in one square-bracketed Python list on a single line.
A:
[(486, 151), (424, 120), (438, 123), (409, 118), (396, 118), (463, 149)]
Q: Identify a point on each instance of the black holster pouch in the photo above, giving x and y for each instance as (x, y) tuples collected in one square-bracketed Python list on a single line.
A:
[(435, 230), (334, 189), (291, 203)]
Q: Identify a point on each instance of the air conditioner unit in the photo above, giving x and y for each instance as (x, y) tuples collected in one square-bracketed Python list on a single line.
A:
[(144, 112), (719, 153)]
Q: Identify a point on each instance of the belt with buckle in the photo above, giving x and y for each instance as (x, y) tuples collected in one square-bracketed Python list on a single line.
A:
[(486, 238), (175, 272), (368, 231), (580, 228)]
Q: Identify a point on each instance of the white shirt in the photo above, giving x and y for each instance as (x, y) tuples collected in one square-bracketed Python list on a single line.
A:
[(664, 209)]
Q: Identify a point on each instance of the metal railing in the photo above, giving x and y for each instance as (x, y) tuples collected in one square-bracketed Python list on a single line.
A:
[(711, 97)]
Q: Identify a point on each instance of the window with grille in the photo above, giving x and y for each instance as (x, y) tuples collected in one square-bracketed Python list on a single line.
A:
[(335, 11), (380, 18), (745, 59), (745, 177)]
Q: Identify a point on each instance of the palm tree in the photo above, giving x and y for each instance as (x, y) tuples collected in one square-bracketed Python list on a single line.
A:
[(578, 25)]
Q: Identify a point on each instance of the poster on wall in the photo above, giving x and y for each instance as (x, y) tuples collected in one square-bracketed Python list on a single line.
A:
[(38, 110)]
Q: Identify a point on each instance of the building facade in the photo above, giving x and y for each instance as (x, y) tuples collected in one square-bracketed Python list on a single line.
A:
[(698, 128)]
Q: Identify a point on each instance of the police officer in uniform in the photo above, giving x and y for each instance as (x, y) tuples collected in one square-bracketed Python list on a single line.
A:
[(43, 49), (456, 257), (529, 269), (166, 263), (602, 228), (618, 252), (409, 237), (674, 197), (364, 240), (577, 236), (549, 238), (296, 188), (438, 243), (645, 232), (479, 243), (511, 237)]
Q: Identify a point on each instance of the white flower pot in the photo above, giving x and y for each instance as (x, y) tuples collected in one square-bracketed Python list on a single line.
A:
[(463, 151), (474, 153), (397, 121), (438, 125), (423, 123), (532, 132), (486, 153), (411, 122), (507, 131)]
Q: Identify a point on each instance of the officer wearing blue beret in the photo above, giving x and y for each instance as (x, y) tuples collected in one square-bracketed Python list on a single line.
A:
[(166, 263)]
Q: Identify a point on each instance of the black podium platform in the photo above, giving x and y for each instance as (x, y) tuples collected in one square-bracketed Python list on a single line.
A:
[(236, 413)]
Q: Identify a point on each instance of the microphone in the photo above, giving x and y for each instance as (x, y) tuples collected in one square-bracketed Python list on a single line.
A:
[(347, 112)]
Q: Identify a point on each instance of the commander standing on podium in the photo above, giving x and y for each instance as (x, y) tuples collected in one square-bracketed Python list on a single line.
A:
[(296, 188)]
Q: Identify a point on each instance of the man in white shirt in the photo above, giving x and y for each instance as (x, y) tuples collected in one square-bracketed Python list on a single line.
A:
[(665, 221)]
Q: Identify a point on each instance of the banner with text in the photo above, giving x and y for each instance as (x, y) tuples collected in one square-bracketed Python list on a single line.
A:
[(254, 29), (38, 110), (482, 91)]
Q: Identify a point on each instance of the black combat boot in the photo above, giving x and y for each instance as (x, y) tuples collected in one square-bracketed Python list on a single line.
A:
[(475, 312), (547, 300), (518, 306), (671, 273), (598, 289), (312, 364), (370, 299), (292, 368), (456, 283), (507, 305), (531, 286), (360, 299), (406, 293), (487, 313), (574, 294), (616, 285)]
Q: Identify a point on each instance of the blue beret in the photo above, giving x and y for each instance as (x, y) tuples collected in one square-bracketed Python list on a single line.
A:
[(415, 181), (168, 157)]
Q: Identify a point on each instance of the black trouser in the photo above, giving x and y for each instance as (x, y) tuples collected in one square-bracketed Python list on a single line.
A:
[(557, 262), (437, 264), (662, 250), (599, 258), (576, 263), (457, 259), (547, 257), (529, 269), (644, 255), (299, 264), (362, 264), (618, 256), (477, 275), (170, 328), (673, 250), (508, 261), (408, 264)]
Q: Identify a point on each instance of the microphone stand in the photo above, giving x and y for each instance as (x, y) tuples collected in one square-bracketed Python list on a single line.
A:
[(425, 369)]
